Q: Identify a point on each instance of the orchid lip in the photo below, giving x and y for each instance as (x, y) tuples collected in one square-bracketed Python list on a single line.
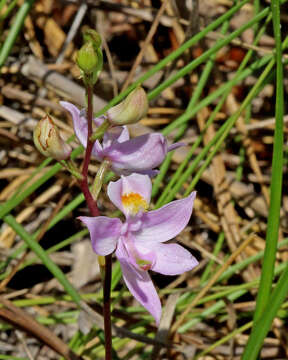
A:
[(144, 264)]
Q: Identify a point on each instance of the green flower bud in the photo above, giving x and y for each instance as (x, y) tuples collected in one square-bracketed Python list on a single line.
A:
[(130, 110), (87, 58), (48, 141), (90, 57)]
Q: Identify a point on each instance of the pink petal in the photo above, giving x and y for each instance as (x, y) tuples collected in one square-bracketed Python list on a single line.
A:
[(139, 284), (80, 127), (134, 183), (172, 259), (141, 153), (79, 122), (167, 222), (104, 233), (115, 134)]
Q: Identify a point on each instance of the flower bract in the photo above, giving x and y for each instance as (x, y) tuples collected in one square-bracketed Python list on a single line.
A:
[(132, 109), (48, 141), (140, 242)]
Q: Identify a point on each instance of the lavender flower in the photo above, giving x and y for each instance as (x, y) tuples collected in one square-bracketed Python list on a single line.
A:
[(141, 154), (139, 241)]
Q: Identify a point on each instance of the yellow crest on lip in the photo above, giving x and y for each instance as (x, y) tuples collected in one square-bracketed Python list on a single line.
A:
[(133, 203)]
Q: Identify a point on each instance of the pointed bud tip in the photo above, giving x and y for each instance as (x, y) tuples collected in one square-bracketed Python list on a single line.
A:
[(130, 110), (48, 141), (91, 35)]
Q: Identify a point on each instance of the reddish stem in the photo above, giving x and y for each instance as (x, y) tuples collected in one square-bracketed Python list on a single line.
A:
[(84, 183), (107, 307), (95, 212), (90, 144)]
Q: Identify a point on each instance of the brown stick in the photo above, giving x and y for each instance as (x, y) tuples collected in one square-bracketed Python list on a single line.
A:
[(22, 320)]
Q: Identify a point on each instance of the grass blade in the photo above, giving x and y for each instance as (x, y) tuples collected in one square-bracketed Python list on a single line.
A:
[(276, 177), (14, 31)]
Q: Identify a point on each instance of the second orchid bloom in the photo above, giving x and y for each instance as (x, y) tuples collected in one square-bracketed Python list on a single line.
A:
[(141, 154), (139, 242)]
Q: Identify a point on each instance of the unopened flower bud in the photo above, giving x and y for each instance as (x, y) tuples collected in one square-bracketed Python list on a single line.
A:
[(130, 110), (87, 58), (48, 141)]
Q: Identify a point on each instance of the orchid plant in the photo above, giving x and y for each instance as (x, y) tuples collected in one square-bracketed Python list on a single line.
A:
[(139, 242)]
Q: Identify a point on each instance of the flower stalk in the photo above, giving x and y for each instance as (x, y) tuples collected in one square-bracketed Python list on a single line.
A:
[(92, 204), (84, 182), (90, 60)]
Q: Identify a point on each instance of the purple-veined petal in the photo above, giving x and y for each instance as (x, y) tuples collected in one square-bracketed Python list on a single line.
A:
[(115, 134), (167, 222), (142, 153), (97, 151), (172, 259), (80, 127), (79, 122), (132, 184), (104, 233), (139, 284), (124, 135)]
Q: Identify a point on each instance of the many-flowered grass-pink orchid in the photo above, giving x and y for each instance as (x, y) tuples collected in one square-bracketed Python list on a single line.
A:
[(139, 241), (141, 154)]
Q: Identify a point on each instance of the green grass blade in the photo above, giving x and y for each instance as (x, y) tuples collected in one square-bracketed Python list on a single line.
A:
[(14, 31), (276, 176), (207, 54), (225, 339), (16, 200), (263, 324), (38, 250), (213, 309), (193, 101), (175, 54), (8, 10), (218, 139)]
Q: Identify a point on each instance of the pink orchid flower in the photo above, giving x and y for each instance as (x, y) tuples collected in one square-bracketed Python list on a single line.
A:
[(139, 241), (141, 154)]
